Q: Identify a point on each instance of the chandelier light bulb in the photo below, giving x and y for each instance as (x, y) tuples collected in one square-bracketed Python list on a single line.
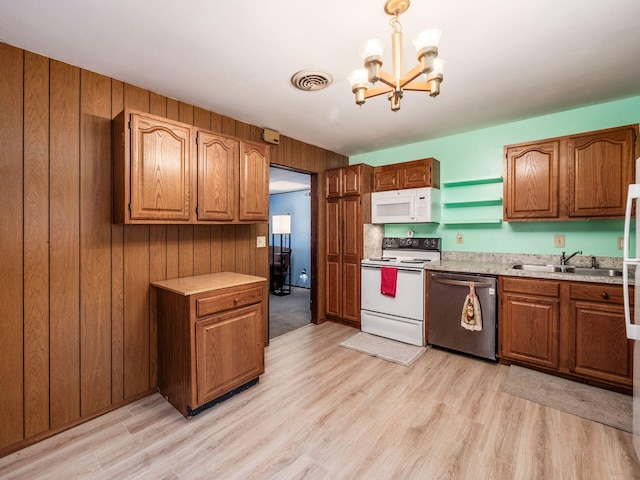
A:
[(438, 67), (427, 38), (434, 78), (371, 48), (358, 80)]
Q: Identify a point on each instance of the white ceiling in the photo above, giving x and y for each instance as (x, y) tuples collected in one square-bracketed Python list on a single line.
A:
[(505, 59), (282, 180)]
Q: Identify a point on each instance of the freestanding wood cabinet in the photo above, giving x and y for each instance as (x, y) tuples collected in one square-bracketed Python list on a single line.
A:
[(571, 177), (348, 208), (210, 339), (413, 174), (572, 329), (170, 172)]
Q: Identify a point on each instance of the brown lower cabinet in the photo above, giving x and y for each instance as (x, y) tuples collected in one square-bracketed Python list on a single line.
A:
[(572, 329), (210, 339)]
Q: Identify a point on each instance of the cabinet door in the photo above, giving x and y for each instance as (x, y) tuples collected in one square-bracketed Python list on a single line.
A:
[(254, 182), (531, 181), (229, 351), (417, 175), (529, 329), (160, 169), (386, 178), (351, 180), (217, 177), (333, 183), (600, 348), (351, 257), (600, 167), (333, 280)]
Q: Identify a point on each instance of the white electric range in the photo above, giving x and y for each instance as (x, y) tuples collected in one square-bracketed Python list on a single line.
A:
[(400, 317)]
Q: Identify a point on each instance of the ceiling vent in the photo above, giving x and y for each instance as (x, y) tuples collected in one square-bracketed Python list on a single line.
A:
[(311, 80)]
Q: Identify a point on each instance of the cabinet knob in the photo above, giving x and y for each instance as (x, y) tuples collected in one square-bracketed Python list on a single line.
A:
[(604, 295), (236, 300)]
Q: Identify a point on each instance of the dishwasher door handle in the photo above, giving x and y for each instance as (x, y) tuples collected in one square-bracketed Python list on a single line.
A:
[(461, 283)]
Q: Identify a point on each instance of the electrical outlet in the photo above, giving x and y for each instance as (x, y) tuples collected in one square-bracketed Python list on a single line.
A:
[(620, 243), (261, 241), (558, 241), (459, 238)]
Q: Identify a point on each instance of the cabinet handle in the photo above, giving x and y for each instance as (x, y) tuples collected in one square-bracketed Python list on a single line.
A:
[(236, 300), (604, 295)]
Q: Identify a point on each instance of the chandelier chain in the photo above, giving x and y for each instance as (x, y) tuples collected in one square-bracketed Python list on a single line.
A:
[(395, 24)]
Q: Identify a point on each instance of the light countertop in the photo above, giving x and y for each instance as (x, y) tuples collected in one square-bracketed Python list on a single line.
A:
[(204, 283), (500, 268)]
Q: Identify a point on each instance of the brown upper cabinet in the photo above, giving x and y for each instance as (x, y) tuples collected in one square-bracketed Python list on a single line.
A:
[(572, 177), (345, 181), (169, 172), (414, 174)]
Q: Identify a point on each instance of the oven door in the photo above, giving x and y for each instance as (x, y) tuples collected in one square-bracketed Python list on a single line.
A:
[(410, 292)]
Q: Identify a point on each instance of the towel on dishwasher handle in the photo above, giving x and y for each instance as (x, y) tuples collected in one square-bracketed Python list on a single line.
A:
[(471, 318), (388, 281)]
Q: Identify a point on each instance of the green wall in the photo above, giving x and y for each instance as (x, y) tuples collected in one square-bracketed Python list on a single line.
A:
[(479, 154)]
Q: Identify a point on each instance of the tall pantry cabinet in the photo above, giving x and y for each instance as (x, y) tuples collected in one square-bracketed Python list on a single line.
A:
[(348, 207)]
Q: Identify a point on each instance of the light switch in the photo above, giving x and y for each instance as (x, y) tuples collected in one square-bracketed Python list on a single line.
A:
[(558, 241), (261, 241)]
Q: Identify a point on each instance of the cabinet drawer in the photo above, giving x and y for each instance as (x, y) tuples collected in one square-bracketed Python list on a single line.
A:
[(597, 293), (227, 299), (548, 288)]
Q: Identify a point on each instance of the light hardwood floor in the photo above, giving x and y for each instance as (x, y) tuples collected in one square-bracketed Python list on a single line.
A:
[(325, 412)]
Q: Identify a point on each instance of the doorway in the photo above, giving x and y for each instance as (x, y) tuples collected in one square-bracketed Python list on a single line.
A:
[(292, 263)]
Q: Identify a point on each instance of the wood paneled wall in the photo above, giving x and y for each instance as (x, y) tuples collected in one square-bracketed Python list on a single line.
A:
[(77, 316)]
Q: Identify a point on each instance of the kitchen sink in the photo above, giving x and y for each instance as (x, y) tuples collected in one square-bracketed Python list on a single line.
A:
[(544, 268), (604, 272)]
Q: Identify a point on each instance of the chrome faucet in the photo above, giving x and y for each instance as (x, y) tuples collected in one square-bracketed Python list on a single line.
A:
[(594, 262), (564, 259)]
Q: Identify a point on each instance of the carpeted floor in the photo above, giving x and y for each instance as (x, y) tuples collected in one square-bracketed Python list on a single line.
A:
[(603, 406), (289, 312)]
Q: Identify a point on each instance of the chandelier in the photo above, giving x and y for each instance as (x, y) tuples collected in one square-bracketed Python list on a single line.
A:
[(424, 77)]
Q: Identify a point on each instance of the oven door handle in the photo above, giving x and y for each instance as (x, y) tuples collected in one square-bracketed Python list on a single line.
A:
[(410, 270), (461, 283)]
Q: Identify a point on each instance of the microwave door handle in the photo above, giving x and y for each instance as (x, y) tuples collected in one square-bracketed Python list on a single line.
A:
[(412, 208)]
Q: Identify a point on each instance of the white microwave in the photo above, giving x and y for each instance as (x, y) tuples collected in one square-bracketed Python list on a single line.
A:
[(412, 205)]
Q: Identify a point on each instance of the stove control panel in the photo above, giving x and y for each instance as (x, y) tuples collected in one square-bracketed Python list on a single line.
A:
[(413, 243)]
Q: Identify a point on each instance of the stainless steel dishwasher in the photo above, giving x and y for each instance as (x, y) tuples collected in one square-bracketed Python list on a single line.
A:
[(448, 293)]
